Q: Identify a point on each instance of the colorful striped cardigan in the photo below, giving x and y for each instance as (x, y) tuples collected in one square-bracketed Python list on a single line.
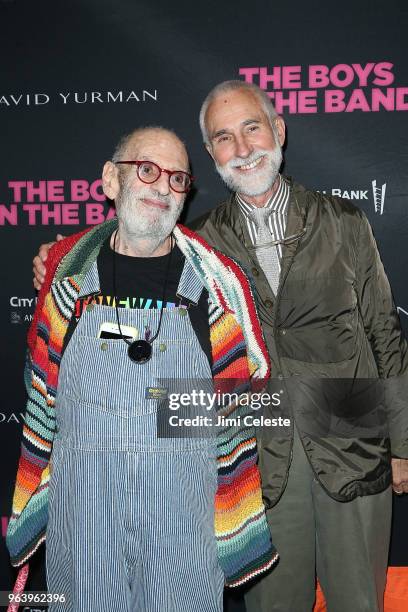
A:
[(244, 545)]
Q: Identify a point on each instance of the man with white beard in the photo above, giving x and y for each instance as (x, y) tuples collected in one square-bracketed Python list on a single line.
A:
[(127, 309), (337, 353)]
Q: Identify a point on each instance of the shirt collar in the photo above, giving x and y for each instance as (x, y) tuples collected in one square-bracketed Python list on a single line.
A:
[(278, 202)]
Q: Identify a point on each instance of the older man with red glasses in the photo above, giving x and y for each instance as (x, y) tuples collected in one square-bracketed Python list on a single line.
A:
[(137, 517)]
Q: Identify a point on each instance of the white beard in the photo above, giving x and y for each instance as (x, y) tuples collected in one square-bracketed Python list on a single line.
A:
[(255, 182), (137, 223)]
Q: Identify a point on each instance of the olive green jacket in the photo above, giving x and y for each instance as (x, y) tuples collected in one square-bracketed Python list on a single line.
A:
[(333, 335)]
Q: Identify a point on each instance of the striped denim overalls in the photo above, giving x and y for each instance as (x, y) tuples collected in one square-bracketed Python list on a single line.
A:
[(131, 515)]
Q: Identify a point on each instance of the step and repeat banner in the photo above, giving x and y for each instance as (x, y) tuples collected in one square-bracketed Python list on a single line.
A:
[(75, 77)]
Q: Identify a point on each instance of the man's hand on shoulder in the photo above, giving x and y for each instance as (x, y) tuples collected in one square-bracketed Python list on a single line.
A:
[(399, 475), (39, 260)]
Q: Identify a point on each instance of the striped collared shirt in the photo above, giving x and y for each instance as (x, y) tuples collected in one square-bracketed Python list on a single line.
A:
[(277, 219)]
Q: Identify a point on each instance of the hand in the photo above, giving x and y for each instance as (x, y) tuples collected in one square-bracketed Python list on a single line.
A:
[(399, 475), (39, 269)]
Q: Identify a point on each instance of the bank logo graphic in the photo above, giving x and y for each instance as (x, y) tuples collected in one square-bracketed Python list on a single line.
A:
[(402, 310), (15, 317), (378, 193), (379, 196)]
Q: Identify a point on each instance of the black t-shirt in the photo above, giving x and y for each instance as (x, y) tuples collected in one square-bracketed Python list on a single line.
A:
[(140, 284)]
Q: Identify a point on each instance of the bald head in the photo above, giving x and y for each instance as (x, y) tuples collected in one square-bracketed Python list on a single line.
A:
[(150, 139)]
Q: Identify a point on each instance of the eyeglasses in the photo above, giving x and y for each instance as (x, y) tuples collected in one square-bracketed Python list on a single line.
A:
[(149, 172)]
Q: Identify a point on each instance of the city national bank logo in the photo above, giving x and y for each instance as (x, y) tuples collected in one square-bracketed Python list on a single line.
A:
[(402, 311), (37, 99), (376, 194), (379, 196), (23, 309)]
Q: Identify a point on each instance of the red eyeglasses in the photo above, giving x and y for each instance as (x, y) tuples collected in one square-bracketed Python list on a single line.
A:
[(149, 172)]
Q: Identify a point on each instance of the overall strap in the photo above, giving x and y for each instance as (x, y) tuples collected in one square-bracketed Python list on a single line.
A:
[(90, 283), (190, 286)]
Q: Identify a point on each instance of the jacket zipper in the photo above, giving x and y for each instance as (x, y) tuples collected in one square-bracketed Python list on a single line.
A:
[(280, 368), (277, 303)]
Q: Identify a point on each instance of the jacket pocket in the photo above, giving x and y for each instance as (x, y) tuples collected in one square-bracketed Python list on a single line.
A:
[(318, 320)]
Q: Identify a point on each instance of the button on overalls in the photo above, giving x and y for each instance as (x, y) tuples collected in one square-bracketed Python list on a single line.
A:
[(131, 515)]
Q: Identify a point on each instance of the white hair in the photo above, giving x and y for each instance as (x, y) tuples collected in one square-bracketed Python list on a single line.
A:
[(227, 86)]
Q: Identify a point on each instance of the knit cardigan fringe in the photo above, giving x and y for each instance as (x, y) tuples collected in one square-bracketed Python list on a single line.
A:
[(240, 359)]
